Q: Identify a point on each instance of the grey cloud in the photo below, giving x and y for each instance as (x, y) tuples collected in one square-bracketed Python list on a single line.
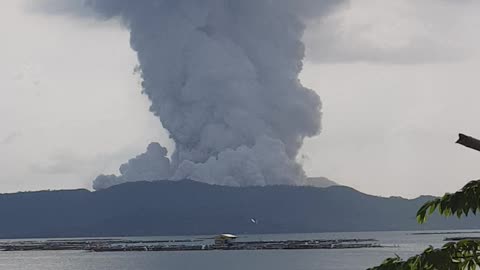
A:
[(152, 165), (12, 137), (344, 51), (222, 75), (61, 163), (72, 162), (391, 32), (59, 7)]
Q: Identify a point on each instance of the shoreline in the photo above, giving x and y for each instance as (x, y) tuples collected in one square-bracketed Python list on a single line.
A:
[(113, 245)]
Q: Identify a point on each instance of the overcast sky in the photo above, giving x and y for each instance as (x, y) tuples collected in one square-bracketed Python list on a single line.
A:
[(398, 79)]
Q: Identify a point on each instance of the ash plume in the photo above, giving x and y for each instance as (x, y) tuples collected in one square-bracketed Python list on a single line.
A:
[(153, 164), (222, 76)]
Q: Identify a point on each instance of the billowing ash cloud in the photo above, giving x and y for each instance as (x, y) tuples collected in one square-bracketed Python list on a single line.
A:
[(151, 165), (222, 75)]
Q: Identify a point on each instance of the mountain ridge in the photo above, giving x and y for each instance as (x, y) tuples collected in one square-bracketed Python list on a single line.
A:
[(193, 208)]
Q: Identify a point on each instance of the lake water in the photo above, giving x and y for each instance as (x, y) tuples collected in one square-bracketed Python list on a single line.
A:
[(402, 243)]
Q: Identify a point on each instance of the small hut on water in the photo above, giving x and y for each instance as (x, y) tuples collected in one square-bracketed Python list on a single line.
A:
[(225, 239)]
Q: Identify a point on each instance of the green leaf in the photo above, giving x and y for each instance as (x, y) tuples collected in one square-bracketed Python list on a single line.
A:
[(459, 204), (462, 255)]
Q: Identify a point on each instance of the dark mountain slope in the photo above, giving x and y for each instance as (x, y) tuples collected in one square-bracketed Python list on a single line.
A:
[(187, 207)]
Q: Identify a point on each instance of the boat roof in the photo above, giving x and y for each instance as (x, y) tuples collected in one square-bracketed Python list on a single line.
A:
[(227, 235)]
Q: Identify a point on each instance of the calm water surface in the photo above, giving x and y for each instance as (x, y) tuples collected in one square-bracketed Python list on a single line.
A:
[(401, 243)]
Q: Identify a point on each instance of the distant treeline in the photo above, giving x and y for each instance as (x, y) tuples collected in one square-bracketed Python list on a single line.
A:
[(188, 207)]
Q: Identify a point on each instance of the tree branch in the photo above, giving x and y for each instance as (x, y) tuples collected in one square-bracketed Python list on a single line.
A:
[(469, 142)]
